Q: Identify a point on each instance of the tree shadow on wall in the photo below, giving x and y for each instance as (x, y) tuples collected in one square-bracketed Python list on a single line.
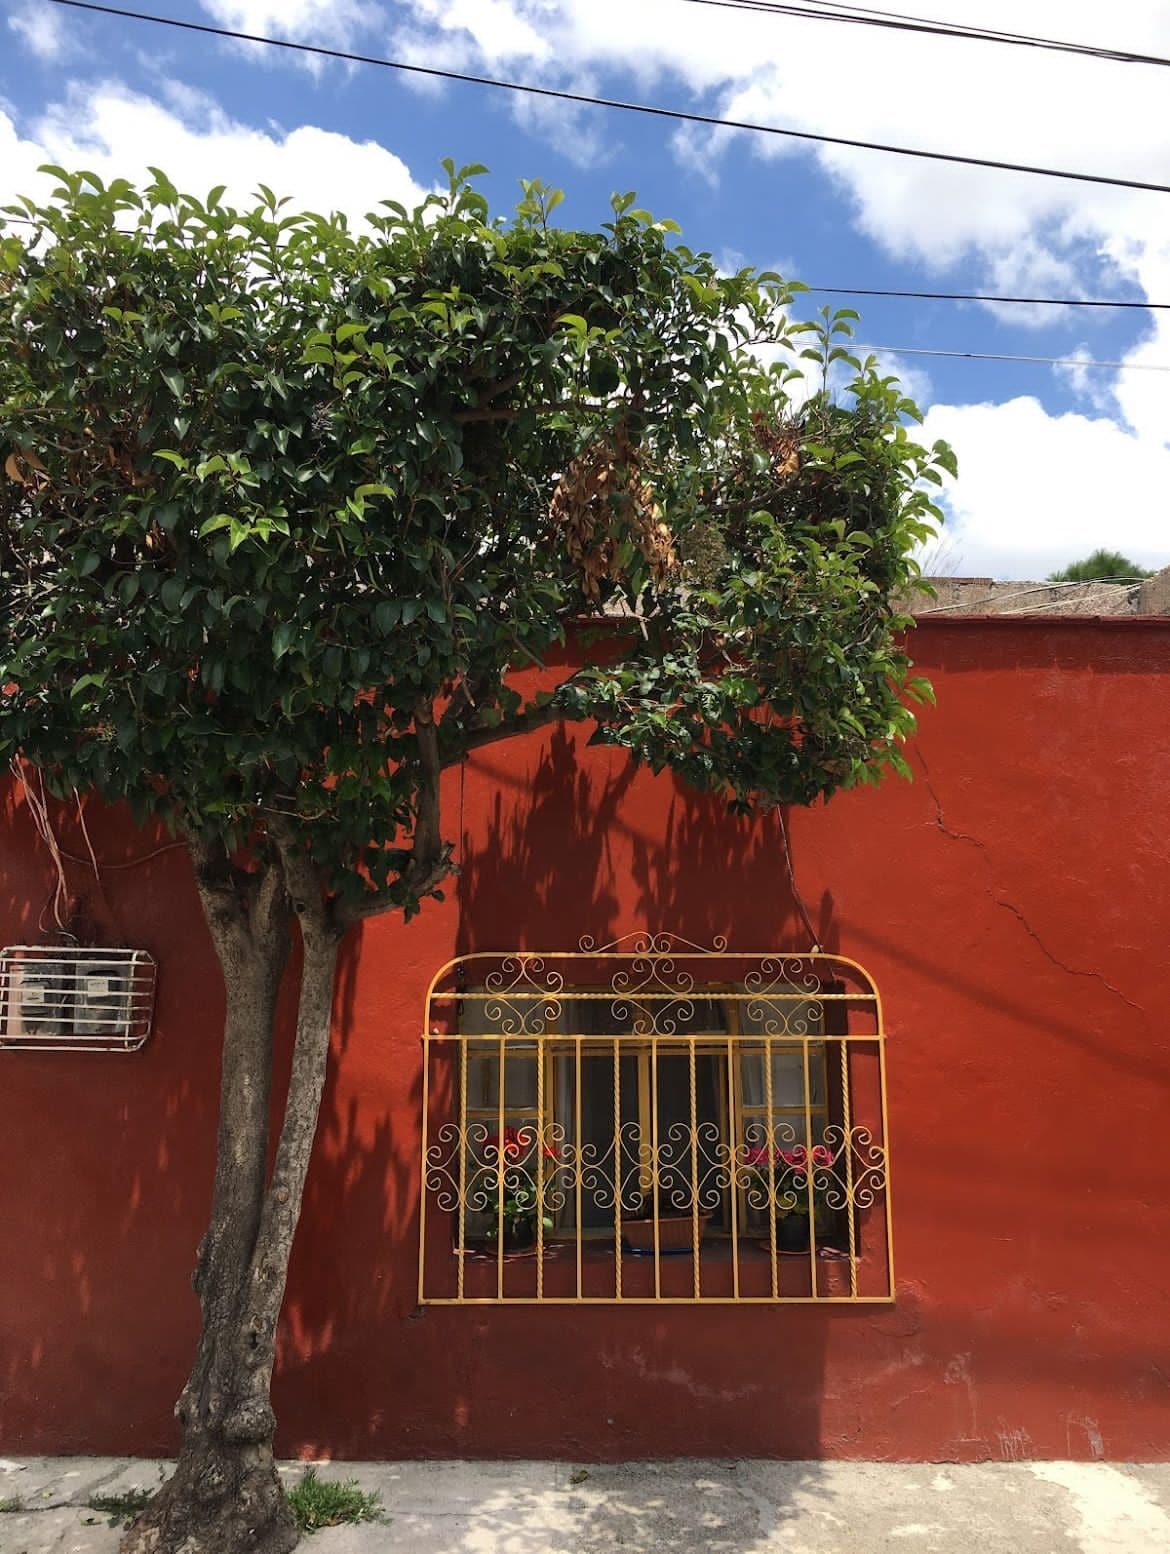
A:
[(587, 844), (104, 1206), (352, 1278), (581, 843)]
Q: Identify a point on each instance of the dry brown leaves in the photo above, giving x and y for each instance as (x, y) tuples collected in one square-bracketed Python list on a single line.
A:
[(25, 468), (779, 439), (603, 498)]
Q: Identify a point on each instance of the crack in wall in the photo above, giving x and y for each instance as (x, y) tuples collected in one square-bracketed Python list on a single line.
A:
[(1010, 906), (1072, 971)]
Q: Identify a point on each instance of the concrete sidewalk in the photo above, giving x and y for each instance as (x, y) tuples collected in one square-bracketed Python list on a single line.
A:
[(661, 1508)]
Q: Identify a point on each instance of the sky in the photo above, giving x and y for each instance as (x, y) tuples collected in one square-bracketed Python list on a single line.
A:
[(1054, 460)]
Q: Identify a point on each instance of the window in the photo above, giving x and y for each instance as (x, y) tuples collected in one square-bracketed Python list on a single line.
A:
[(654, 1123)]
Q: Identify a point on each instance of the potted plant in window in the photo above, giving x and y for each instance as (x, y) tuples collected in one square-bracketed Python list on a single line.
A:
[(668, 1203), (514, 1157), (792, 1172)]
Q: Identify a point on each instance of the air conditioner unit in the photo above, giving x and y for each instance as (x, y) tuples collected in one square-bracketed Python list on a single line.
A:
[(75, 998)]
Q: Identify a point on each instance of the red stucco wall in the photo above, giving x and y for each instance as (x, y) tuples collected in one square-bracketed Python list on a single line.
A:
[(1013, 907)]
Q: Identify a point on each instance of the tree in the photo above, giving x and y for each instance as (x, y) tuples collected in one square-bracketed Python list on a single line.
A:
[(285, 507), (1099, 567)]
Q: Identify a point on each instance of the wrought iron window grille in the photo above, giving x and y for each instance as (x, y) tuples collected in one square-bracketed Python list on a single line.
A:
[(649, 1121), (75, 998)]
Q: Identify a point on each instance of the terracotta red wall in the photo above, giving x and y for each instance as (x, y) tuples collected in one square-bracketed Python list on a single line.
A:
[(1012, 905)]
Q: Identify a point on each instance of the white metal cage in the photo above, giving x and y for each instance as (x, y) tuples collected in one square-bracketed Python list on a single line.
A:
[(75, 998)]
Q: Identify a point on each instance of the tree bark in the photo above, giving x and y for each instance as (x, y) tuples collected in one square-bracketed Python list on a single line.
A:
[(225, 1496)]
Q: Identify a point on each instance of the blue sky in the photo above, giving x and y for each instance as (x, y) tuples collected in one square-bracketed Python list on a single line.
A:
[(1053, 460)]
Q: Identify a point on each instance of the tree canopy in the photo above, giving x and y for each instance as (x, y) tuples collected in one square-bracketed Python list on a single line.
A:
[(287, 506), (1098, 567), (279, 492)]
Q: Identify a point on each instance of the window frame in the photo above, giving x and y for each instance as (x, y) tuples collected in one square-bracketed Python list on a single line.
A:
[(542, 1033)]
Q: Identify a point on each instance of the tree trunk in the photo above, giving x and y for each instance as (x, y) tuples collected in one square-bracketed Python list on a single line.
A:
[(225, 1496)]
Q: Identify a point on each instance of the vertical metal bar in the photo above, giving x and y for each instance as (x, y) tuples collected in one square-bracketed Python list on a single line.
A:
[(654, 1166), (540, 1142), (645, 1127), (464, 1144), (881, 1047), (500, 1168), (422, 1177), (577, 1124), (771, 1144), (617, 1167), (732, 1159), (847, 1150), (697, 1277), (809, 1173)]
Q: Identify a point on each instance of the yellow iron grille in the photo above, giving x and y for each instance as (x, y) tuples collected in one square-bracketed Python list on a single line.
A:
[(648, 1121)]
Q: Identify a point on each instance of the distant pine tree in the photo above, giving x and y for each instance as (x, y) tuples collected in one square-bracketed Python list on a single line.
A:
[(1100, 566)]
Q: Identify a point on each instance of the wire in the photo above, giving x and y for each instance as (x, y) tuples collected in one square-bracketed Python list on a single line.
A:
[(651, 110), (792, 885), (986, 296), (918, 296), (999, 356), (1023, 593), (896, 21)]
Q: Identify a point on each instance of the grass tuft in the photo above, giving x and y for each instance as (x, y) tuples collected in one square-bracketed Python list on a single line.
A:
[(121, 1508), (13, 1503), (317, 1502)]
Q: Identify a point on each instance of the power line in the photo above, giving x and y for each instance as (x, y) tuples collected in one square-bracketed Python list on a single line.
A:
[(921, 296), (958, 296), (895, 21), (986, 296), (1023, 593), (997, 356), (681, 115)]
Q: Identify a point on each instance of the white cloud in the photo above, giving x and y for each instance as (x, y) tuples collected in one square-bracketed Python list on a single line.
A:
[(332, 22), (336, 24), (1066, 480), (1036, 491), (116, 132), (40, 27), (1016, 105), (494, 29)]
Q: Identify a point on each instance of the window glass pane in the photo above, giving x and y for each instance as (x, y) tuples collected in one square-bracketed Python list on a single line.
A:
[(604, 1158), (483, 1077), (787, 1075)]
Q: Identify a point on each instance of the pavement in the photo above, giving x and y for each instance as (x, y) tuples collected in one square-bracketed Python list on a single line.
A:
[(659, 1508)]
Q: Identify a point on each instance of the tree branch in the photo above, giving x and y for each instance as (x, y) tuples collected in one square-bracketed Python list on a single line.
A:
[(508, 728), (227, 918), (375, 902), (302, 882), (465, 417)]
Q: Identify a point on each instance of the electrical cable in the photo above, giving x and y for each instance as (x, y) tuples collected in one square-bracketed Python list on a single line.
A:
[(986, 296), (1024, 593), (918, 296), (896, 21), (559, 94), (1001, 356)]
